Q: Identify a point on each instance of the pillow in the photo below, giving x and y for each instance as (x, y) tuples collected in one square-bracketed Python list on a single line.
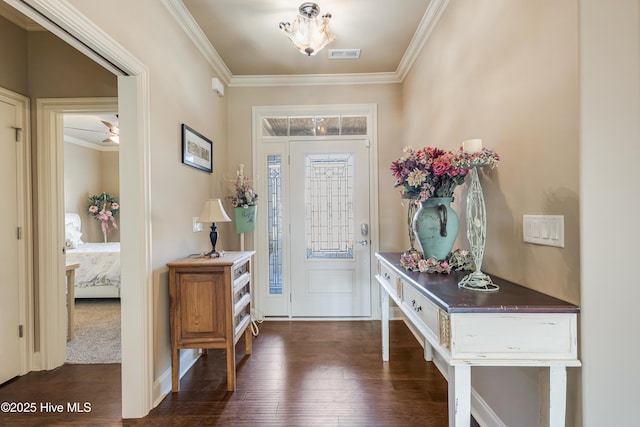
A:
[(72, 233)]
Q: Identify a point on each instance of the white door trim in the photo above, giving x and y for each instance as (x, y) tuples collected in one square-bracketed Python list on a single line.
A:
[(76, 29), (25, 243), (51, 239), (371, 111)]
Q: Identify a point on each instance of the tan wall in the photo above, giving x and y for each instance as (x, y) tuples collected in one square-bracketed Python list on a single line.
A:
[(13, 51), (89, 172), (389, 102), (180, 92), (506, 71)]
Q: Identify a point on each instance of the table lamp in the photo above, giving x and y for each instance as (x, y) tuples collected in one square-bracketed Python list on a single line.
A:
[(213, 212)]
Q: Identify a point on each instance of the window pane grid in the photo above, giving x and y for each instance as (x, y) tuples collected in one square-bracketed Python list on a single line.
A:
[(328, 206), (314, 125), (274, 163)]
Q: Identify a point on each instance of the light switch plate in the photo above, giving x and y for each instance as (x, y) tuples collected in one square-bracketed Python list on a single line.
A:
[(545, 230), (197, 226)]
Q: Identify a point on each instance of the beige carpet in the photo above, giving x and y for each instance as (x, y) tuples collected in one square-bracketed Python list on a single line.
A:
[(97, 332)]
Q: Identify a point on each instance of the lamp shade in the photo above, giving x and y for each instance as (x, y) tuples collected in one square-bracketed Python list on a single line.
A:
[(212, 211)]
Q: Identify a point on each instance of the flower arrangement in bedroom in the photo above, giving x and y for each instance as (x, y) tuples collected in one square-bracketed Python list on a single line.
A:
[(103, 208), (427, 172)]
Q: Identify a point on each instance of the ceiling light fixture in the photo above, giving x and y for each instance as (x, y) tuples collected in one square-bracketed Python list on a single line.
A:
[(308, 32)]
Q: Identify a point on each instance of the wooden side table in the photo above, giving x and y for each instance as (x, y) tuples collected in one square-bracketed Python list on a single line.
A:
[(71, 299), (210, 307)]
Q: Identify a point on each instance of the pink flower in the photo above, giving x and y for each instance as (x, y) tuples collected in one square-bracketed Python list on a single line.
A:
[(115, 206), (93, 209), (440, 168)]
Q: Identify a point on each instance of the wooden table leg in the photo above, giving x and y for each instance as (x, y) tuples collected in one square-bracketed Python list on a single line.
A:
[(71, 299), (231, 366), (248, 340), (175, 370)]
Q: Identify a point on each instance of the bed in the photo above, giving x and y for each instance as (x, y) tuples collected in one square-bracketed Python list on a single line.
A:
[(98, 273)]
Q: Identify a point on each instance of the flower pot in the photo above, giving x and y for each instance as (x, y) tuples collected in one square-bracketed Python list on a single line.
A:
[(245, 218), (435, 226)]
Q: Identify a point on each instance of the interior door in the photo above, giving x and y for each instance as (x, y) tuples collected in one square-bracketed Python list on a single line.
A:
[(9, 285), (330, 244)]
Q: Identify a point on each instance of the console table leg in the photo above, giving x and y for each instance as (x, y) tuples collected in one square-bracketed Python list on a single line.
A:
[(428, 351), (385, 326), (459, 395), (557, 395)]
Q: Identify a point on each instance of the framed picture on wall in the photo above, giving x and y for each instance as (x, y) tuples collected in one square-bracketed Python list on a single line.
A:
[(197, 150)]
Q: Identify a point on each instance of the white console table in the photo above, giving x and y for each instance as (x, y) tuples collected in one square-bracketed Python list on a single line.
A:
[(515, 326)]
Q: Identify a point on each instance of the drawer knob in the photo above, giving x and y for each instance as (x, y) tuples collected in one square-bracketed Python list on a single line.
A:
[(413, 303)]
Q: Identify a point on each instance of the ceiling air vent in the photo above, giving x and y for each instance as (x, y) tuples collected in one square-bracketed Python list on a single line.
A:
[(344, 53)]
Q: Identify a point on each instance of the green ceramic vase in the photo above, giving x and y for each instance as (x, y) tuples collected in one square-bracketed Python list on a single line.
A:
[(435, 226)]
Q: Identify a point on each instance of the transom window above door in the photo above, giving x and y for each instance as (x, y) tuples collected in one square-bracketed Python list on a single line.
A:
[(330, 125)]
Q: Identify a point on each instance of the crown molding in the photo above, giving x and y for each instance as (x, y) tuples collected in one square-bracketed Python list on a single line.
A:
[(315, 80), (432, 15), (178, 10), (429, 21)]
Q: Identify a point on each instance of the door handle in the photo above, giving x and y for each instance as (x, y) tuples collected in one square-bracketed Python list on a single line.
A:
[(363, 242)]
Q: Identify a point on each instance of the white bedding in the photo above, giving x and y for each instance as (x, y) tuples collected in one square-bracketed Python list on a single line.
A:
[(99, 264)]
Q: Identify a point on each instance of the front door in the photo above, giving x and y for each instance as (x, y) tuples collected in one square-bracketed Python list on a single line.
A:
[(9, 249), (329, 218)]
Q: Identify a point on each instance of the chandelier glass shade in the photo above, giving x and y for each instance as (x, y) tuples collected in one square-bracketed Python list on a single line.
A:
[(309, 32)]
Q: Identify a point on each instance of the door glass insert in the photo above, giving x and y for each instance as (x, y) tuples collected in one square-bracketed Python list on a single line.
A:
[(274, 207), (329, 187)]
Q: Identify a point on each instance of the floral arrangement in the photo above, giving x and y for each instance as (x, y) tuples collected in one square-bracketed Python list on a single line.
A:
[(484, 157), (242, 194), (103, 207), (428, 172), (457, 260)]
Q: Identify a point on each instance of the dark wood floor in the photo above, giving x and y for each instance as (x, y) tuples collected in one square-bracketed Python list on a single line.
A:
[(300, 374)]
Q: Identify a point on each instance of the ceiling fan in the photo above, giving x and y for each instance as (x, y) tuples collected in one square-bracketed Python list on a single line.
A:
[(112, 131)]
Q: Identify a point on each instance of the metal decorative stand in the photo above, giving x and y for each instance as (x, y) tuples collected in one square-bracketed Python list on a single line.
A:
[(477, 234)]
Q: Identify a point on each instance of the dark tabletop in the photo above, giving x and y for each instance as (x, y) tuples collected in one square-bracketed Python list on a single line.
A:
[(443, 290)]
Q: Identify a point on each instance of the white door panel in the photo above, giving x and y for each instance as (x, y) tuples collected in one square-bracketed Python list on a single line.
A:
[(9, 285), (329, 203)]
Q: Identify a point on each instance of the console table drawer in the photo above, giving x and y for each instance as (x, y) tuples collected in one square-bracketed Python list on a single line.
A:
[(391, 278), (550, 336), (421, 306)]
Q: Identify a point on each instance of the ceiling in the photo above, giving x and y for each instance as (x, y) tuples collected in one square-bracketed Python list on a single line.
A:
[(88, 130), (242, 42), (245, 34)]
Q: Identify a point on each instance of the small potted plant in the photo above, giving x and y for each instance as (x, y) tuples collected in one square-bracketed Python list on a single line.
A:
[(243, 199)]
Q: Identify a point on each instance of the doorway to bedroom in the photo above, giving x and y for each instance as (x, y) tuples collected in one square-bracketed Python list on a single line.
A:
[(92, 235)]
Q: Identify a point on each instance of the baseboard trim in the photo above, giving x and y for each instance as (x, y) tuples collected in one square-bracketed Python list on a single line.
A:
[(480, 409), (162, 385)]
